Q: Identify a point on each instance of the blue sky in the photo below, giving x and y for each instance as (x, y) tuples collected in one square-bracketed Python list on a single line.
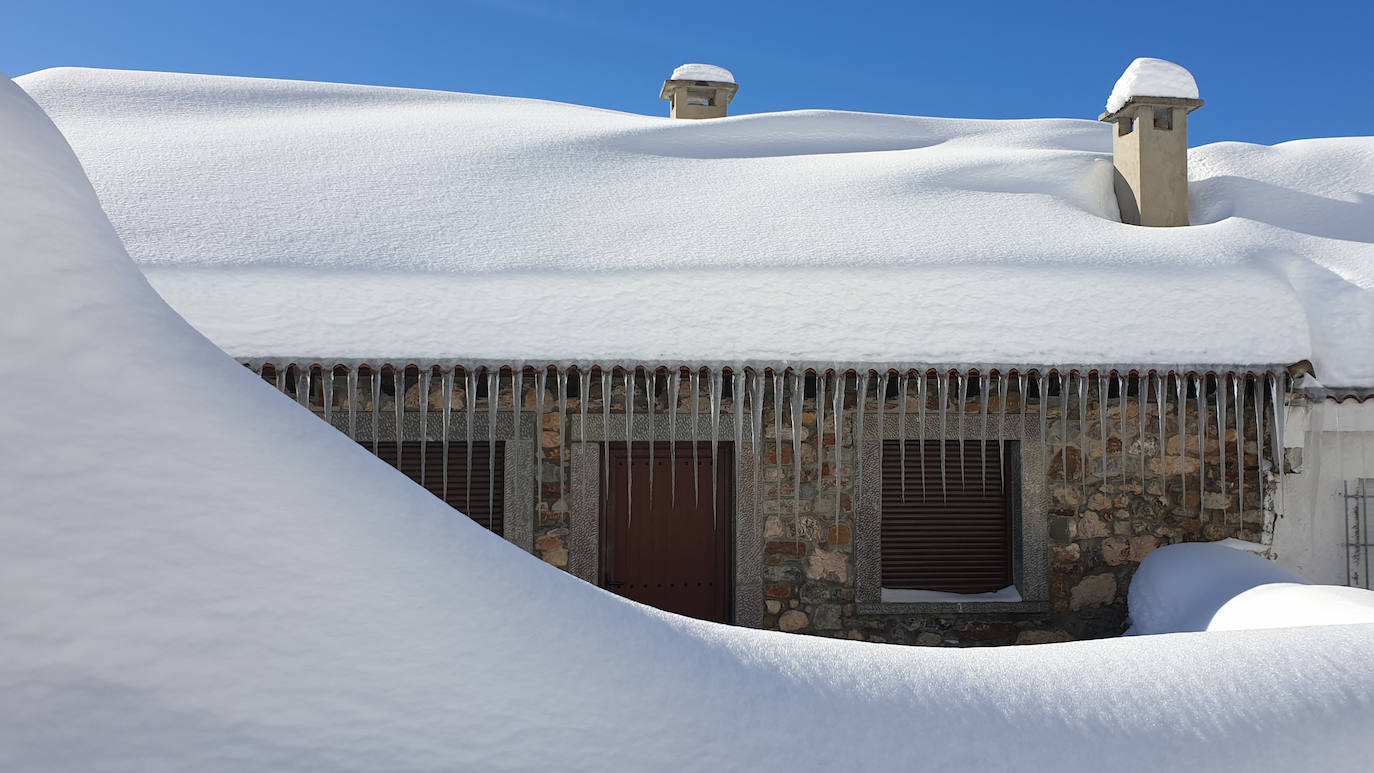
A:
[(1269, 72)]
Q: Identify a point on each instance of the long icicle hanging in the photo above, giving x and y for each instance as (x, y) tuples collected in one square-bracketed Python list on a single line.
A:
[(777, 436), (470, 384), (376, 410), (737, 387), (1083, 433), (651, 397), (1102, 421), (327, 393), (1121, 429), (1238, 400), (922, 384), (351, 383), (446, 410), (1043, 384), (517, 395), (1181, 395), (627, 375), (606, 375), (674, 392), (303, 386), (837, 416), (959, 424), (423, 389), (1221, 443), (1277, 393), (1258, 401), (561, 381), (1142, 401), (717, 382), (820, 432), (1065, 384), (398, 385), (861, 385), (984, 385), (796, 388), (695, 384), (756, 432), (1002, 379), (902, 380), (493, 404), (584, 397), (878, 420), (1200, 385), (943, 389), (1161, 384)]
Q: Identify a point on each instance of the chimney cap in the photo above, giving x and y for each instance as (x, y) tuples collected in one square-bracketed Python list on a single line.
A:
[(1135, 102), (710, 73), (1152, 78)]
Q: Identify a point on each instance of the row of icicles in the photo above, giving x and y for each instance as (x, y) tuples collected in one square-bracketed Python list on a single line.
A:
[(1219, 402)]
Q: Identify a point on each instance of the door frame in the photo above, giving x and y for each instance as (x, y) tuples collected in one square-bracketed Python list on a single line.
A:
[(585, 444)]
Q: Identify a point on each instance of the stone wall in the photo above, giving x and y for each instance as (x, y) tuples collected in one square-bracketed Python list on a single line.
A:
[(1096, 528)]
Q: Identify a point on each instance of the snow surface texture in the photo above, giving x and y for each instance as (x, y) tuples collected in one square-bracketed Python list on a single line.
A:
[(184, 590), (702, 72), (1147, 77), (1225, 586), (315, 221)]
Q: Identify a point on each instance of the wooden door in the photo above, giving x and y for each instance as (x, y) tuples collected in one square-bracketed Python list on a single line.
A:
[(666, 546)]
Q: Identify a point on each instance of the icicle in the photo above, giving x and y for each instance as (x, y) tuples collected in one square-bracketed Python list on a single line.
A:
[(883, 379), (1161, 383), (837, 416), (1259, 437), (717, 382), (541, 382), (861, 384), (1200, 383), (777, 433), (303, 386), (942, 389), (517, 398), (606, 430), (1083, 433), (959, 424), (902, 380), (351, 382), (1181, 395), (1002, 379), (922, 385), (327, 393), (1221, 441), (756, 430), (1044, 394), (280, 370), (398, 385), (737, 388), (797, 395), (820, 432), (695, 377), (584, 396), (1102, 420), (493, 402), (627, 376), (561, 378), (446, 384), (1276, 396), (1121, 429), (674, 392), (1142, 400), (1238, 399), (1065, 384), (650, 398), (376, 410), (984, 385), (423, 389), (470, 385)]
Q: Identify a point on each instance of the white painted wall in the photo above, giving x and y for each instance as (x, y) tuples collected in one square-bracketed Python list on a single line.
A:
[(1310, 532)]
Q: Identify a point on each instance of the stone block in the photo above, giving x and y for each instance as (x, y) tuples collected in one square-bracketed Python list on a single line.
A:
[(1093, 591), (793, 620)]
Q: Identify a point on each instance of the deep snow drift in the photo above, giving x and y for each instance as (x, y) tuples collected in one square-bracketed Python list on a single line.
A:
[(315, 221), (196, 574)]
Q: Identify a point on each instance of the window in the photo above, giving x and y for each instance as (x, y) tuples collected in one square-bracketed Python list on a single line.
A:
[(482, 497), (950, 530), (1164, 118)]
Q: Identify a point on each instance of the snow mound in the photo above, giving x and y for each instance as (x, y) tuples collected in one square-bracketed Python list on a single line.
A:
[(811, 237), (702, 72), (197, 574), (1285, 605), (1146, 77), (1181, 587)]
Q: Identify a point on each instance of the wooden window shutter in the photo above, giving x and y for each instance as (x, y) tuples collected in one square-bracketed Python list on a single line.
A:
[(955, 537), (486, 489)]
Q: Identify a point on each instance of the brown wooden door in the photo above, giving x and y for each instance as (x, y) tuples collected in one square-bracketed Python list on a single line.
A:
[(668, 549)]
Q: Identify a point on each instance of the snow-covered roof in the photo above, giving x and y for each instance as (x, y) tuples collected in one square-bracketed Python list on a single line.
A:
[(316, 221), (185, 591), (693, 71), (1147, 77)]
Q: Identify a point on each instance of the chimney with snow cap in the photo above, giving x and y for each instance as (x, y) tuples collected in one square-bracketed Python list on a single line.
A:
[(699, 91), (1150, 106)]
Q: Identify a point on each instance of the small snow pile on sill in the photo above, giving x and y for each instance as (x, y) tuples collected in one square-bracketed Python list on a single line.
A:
[(702, 72), (158, 617), (1147, 77), (1286, 605), (1181, 587), (908, 596)]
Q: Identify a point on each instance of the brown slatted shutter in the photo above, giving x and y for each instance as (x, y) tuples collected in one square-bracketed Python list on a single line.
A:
[(957, 536), (482, 498)]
